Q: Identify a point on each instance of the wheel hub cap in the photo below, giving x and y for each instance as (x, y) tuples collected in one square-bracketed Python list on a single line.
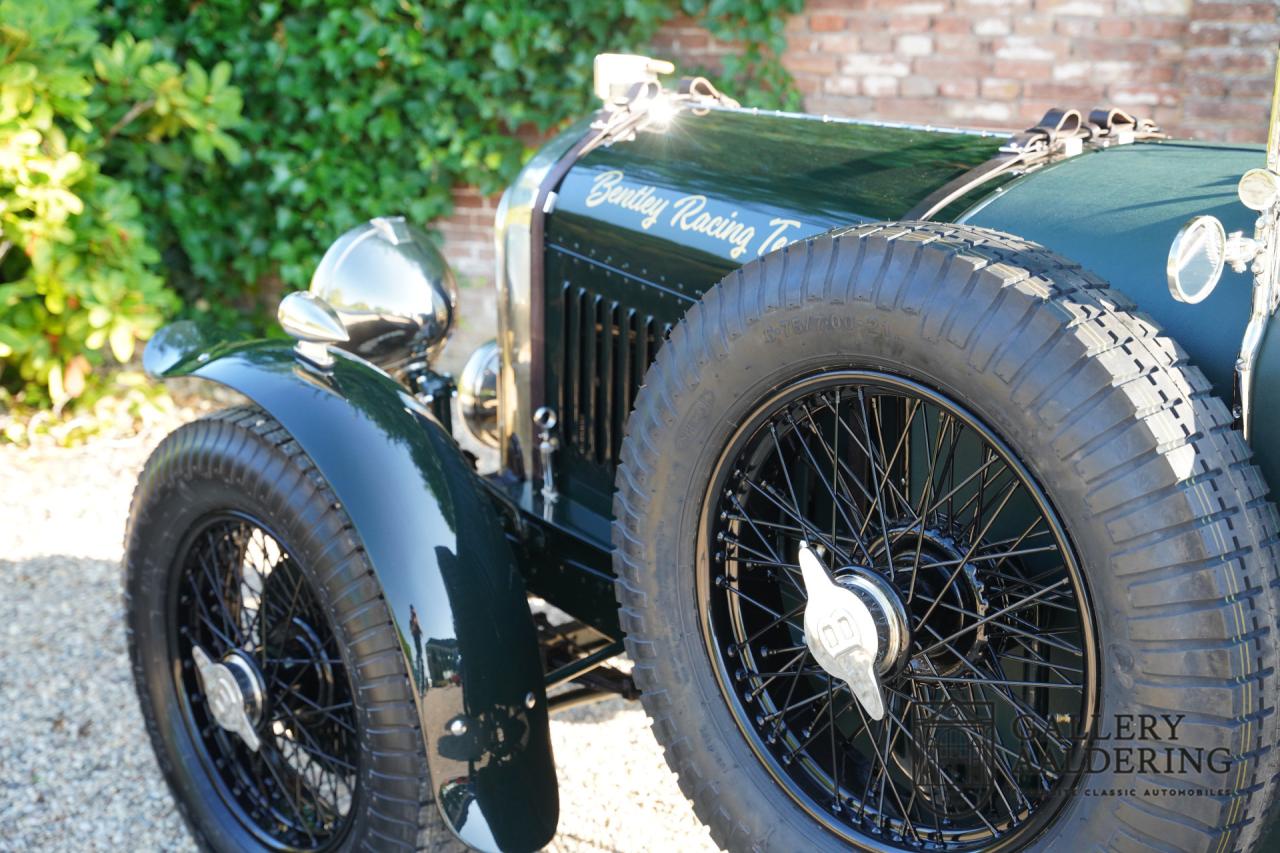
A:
[(234, 692), (855, 628)]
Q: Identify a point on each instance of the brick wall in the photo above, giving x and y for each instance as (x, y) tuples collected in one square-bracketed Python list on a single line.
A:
[(468, 234), (1200, 68)]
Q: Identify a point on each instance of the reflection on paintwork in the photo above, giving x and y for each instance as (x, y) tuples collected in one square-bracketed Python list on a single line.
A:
[(441, 558), (1131, 220)]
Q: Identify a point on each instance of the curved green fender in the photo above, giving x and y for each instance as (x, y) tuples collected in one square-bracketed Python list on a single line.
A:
[(439, 552), (1116, 212)]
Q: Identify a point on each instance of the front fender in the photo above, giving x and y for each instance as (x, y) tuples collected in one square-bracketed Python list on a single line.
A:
[(439, 551)]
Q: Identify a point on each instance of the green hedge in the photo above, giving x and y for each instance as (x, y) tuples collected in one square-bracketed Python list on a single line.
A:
[(79, 270), (304, 117)]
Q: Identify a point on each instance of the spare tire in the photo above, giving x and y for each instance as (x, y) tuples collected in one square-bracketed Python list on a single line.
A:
[(1066, 560)]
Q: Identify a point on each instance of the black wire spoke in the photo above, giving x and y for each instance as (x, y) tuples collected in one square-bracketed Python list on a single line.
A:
[(217, 584), (963, 561), (792, 707), (247, 603), (330, 715), (816, 534), (897, 487), (870, 454), (292, 802), (988, 618), (757, 558), (769, 677), (1003, 692), (837, 502), (312, 746)]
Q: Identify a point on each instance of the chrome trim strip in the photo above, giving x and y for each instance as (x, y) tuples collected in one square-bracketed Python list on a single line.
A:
[(827, 119), (513, 254), (1266, 274)]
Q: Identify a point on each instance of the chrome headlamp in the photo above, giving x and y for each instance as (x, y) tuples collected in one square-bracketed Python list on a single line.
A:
[(1203, 247), (391, 290), (478, 393)]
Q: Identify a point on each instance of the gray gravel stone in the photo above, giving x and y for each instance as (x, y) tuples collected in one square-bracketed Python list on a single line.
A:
[(76, 768)]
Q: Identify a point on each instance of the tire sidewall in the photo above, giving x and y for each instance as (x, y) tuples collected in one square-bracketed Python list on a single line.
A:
[(174, 506), (788, 343)]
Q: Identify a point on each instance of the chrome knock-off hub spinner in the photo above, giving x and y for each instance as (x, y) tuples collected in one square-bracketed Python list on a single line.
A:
[(855, 628), (234, 692)]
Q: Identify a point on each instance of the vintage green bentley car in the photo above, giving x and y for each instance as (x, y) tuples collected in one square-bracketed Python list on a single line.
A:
[(921, 472)]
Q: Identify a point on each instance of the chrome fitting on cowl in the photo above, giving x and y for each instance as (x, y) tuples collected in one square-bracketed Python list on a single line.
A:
[(314, 324), (545, 419)]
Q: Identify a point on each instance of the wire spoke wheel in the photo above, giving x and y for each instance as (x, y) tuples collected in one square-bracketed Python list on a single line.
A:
[(241, 599), (987, 658)]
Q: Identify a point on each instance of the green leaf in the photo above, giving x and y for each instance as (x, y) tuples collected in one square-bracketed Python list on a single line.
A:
[(503, 56), (121, 340), (261, 130)]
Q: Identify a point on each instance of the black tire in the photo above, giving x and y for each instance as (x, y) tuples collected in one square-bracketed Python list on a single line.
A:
[(242, 462), (1171, 521)]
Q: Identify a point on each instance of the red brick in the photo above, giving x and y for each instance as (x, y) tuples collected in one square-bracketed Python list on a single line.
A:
[(1084, 8), (908, 24), (1254, 13), (1231, 110), (919, 87), (943, 68), (1133, 51), (1210, 86), (1211, 36), (1001, 90), (1245, 134), (908, 109), (879, 86), (966, 88), (1156, 73), (1160, 28), (1023, 68), (952, 46), (809, 84), (827, 23), (837, 106), (816, 63), (1068, 94), (1033, 25), (952, 24), (1237, 62), (1114, 28), (835, 43), (1075, 27), (875, 42)]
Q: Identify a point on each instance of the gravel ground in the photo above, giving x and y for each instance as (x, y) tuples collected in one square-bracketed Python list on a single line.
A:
[(76, 769)]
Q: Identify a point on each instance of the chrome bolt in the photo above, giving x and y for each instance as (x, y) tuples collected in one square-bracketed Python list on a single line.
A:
[(530, 700), (458, 726)]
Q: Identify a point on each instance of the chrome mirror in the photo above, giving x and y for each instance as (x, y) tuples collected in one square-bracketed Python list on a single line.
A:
[(1259, 189), (1196, 259), (478, 393), (314, 323)]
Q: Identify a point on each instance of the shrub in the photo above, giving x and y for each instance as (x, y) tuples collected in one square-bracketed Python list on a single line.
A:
[(361, 109), (77, 268), (135, 178)]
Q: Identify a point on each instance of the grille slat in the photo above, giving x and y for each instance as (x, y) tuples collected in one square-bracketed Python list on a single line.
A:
[(607, 349), (591, 374), (609, 337)]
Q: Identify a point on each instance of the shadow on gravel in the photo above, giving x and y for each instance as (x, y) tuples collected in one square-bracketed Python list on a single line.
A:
[(77, 771), (76, 768)]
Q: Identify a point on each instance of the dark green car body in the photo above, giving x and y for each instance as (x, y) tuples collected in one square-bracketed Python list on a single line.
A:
[(599, 258), (618, 275)]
